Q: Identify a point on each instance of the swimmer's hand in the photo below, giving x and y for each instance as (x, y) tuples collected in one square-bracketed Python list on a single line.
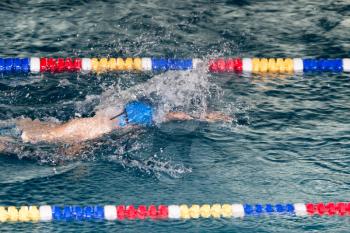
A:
[(217, 116), (208, 117)]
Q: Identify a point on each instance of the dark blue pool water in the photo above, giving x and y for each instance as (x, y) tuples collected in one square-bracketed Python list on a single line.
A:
[(289, 141)]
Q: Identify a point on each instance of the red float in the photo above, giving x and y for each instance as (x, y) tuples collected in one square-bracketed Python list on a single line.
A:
[(221, 64), (341, 208), (69, 65), (331, 211), (51, 65), (230, 65), (213, 66), (238, 65), (61, 65), (130, 212), (152, 212), (321, 209), (142, 212), (310, 208), (162, 211), (77, 64), (121, 212), (43, 64)]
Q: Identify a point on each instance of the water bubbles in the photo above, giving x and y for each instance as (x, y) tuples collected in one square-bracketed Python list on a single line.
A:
[(153, 166)]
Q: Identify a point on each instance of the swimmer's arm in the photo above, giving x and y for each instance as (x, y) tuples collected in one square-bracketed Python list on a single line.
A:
[(209, 117), (76, 130)]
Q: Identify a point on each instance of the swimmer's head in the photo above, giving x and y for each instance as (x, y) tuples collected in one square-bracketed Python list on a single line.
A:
[(136, 113)]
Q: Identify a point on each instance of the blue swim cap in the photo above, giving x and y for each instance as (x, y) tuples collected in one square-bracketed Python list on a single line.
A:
[(139, 113)]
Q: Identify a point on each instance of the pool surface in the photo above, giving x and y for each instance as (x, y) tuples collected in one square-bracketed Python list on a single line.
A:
[(288, 142)]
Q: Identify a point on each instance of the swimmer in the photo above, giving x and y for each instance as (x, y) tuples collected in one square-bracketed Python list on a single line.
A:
[(135, 114)]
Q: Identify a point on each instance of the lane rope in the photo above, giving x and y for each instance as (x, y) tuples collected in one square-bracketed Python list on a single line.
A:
[(163, 212), (220, 65)]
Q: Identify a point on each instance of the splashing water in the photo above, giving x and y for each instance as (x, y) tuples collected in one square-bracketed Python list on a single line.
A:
[(187, 91)]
